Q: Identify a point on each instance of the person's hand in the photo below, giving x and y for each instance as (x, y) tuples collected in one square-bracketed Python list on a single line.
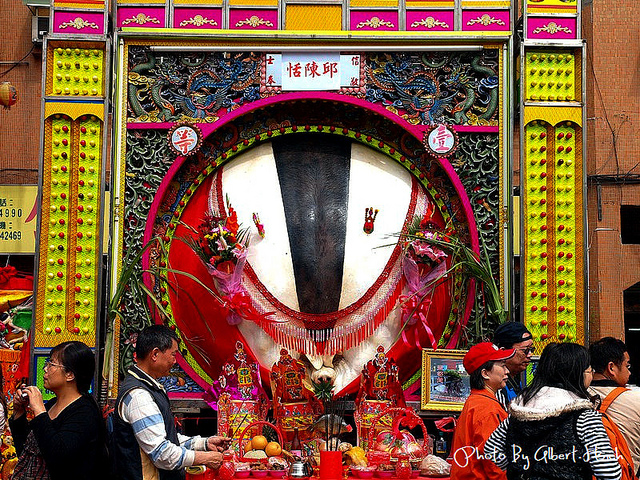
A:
[(36, 402), (211, 460), (20, 403), (217, 443)]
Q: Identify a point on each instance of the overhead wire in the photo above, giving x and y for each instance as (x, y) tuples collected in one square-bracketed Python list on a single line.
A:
[(15, 64)]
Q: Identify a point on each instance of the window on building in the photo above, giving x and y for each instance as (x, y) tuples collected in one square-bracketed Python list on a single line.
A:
[(631, 298), (629, 224)]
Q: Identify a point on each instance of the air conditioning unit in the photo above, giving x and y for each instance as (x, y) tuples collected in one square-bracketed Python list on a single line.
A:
[(39, 27)]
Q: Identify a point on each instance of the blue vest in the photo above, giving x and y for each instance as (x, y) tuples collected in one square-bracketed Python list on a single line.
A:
[(124, 446)]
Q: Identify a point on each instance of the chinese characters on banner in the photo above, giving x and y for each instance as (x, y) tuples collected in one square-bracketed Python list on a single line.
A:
[(184, 139), (312, 71), (441, 140)]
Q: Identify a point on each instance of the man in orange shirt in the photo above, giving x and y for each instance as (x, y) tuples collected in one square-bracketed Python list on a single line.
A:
[(481, 414)]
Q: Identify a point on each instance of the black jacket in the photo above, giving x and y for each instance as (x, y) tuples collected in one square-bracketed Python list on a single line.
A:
[(72, 444), (125, 450)]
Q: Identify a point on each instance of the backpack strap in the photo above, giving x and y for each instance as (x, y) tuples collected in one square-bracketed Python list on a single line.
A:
[(622, 449), (608, 400)]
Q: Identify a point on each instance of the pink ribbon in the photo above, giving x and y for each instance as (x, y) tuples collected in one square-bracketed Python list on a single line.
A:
[(415, 305), (239, 305), (237, 301)]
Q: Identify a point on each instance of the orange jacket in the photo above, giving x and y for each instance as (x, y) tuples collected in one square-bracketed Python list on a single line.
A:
[(480, 416)]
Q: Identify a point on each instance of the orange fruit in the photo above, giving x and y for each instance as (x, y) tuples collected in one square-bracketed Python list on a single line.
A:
[(247, 446), (259, 442), (273, 449)]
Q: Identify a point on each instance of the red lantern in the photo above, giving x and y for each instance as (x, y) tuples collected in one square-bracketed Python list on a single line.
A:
[(8, 95)]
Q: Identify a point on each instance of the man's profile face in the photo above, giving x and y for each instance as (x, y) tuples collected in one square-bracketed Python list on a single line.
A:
[(518, 363), (622, 372), (165, 360)]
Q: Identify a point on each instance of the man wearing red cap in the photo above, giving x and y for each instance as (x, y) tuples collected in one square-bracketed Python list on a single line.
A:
[(481, 414)]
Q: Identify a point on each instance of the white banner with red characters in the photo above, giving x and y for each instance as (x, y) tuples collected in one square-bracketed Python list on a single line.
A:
[(312, 71)]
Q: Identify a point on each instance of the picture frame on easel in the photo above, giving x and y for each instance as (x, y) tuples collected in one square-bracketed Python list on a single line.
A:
[(445, 382)]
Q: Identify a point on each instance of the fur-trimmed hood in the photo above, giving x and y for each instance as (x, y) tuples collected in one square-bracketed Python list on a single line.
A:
[(548, 402)]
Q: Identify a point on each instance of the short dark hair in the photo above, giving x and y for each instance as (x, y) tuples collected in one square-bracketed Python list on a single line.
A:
[(476, 381), (155, 336), (605, 350), (77, 358)]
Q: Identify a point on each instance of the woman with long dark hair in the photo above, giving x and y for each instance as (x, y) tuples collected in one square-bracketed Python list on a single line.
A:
[(553, 431), (66, 437)]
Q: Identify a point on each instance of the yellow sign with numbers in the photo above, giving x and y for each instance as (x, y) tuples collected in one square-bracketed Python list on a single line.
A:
[(18, 218)]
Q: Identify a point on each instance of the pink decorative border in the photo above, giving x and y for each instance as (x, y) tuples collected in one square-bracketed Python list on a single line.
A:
[(486, 20), (253, 19), (207, 128), (141, 17), (69, 22), (371, 20), (430, 20), (416, 131), (556, 28), (198, 18)]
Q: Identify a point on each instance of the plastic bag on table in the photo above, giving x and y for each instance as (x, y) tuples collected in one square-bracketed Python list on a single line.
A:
[(433, 466)]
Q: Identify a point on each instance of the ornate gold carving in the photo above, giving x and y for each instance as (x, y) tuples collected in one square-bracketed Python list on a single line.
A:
[(485, 20), (375, 22), (198, 21), (552, 28), (78, 23), (140, 19), (254, 21), (429, 22)]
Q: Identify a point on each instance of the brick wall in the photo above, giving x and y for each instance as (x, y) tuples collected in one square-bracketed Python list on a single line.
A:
[(613, 149)]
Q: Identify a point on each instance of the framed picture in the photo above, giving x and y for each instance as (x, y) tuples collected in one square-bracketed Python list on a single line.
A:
[(445, 382)]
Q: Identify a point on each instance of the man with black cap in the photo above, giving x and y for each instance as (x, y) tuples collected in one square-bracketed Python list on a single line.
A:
[(514, 335)]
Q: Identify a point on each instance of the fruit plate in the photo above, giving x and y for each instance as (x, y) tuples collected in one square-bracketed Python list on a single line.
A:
[(259, 473), (244, 457), (242, 473), (277, 473)]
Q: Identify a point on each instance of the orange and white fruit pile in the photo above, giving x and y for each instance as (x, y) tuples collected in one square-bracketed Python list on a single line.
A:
[(259, 447)]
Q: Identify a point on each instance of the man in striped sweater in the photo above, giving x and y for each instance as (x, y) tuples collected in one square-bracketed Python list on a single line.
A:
[(146, 445)]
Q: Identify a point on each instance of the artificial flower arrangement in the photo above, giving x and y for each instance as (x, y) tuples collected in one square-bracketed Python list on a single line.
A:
[(220, 242), (431, 255), (420, 250), (222, 246), (424, 267)]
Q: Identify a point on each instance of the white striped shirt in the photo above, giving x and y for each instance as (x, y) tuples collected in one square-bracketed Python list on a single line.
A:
[(142, 413), (590, 432)]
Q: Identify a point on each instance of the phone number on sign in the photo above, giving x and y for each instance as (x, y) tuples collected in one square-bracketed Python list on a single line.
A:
[(10, 212), (10, 235)]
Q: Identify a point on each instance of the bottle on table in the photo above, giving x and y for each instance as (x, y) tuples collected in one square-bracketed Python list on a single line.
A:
[(440, 446), (296, 445)]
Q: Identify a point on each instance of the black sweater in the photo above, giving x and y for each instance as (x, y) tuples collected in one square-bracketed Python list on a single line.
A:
[(72, 444)]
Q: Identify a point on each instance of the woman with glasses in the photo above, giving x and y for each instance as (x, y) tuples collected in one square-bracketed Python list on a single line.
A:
[(553, 431), (66, 437)]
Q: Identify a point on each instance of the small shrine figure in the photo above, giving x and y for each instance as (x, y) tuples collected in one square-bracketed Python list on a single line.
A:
[(238, 395), (294, 405), (379, 390)]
